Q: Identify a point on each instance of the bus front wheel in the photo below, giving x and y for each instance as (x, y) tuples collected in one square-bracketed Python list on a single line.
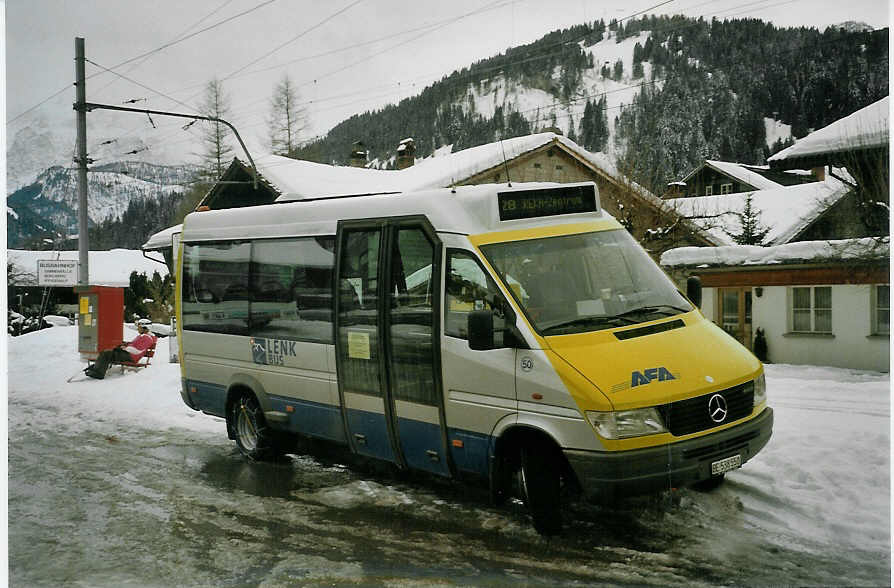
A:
[(255, 439), (541, 484)]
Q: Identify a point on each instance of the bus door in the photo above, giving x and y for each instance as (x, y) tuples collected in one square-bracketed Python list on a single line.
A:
[(387, 325)]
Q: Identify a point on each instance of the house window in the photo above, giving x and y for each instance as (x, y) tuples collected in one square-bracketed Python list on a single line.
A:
[(709, 190), (812, 309), (881, 309), (726, 188), (537, 166), (559, 167)]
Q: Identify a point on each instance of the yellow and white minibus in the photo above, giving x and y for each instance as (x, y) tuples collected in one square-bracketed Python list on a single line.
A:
[(516, 335)]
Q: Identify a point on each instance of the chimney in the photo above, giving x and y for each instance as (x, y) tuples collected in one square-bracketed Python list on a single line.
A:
[(358, 154), (406, 153)]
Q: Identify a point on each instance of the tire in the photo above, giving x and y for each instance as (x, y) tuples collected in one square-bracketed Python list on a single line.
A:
[(710, 484), (255, 439), (541, 486)]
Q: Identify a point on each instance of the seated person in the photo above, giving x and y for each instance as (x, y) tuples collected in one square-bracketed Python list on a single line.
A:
[(132, 351)]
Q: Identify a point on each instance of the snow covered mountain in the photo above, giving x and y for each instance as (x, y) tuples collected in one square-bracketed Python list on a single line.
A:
[(49, 204)]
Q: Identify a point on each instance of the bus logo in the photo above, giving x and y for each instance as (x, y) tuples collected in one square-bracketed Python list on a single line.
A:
[(271, 351), (647, 376)]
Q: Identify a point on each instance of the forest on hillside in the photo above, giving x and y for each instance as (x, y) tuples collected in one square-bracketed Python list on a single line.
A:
[(711, 84)]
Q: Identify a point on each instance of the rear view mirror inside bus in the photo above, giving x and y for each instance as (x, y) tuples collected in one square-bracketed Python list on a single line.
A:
[(481, 330)]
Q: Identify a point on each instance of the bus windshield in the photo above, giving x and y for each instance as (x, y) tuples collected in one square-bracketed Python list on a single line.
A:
[(585, 282)]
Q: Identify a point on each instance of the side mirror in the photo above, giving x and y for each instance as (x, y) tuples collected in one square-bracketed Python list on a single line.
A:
[(481, 330), (694, 290)]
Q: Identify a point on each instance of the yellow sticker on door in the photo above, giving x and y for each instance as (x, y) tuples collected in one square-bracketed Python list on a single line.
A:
[(358, 345)]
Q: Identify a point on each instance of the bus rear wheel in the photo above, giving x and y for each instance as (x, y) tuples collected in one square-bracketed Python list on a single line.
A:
[(541, 486), (255, 439)]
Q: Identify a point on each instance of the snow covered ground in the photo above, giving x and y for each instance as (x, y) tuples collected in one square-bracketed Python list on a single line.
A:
[(818, 495)]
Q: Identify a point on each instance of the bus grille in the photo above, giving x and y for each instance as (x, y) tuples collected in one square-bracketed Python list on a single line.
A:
[(692, 415)]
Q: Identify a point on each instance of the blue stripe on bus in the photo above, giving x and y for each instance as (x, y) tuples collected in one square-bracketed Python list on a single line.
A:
[(472, 457), (417, 438), (311, 418), (209, 398), (324, 421), (370, 434)]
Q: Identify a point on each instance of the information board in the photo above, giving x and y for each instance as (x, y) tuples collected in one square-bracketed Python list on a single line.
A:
[(57, 272)]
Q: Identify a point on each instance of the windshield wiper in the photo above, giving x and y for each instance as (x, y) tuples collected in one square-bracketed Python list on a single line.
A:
[(589, 321), (665, 309)]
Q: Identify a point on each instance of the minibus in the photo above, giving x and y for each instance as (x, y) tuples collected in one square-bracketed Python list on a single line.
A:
[(513, 335)]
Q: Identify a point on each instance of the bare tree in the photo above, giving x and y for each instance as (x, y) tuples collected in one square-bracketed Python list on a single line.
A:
[(287, 118), (217, 151)]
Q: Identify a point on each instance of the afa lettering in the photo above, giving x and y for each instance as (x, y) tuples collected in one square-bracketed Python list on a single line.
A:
[(646, 376)]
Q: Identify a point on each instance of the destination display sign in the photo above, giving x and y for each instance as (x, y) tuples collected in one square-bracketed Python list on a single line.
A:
[(546, 202)]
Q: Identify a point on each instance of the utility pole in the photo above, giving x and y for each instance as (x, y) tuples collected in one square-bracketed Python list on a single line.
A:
[(80, 107)]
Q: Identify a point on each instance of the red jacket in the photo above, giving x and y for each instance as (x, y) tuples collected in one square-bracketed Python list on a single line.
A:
[(137, 348)]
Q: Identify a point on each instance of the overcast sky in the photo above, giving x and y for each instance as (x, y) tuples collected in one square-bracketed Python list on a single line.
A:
[(345, 56)]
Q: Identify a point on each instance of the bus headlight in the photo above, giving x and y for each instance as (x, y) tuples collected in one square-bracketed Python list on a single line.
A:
[(760, 390), (623, 424)]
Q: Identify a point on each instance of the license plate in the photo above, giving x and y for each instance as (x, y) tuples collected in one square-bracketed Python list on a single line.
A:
[(725, 465)]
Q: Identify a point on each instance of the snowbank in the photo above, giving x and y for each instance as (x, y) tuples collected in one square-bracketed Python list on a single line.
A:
[(868, 248), (42, 361)]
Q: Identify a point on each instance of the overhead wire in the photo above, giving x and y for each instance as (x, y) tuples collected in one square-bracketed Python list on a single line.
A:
[(176, 38), (147, 53)]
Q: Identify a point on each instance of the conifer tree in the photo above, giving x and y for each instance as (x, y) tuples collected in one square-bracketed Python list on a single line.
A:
[(752, 231)]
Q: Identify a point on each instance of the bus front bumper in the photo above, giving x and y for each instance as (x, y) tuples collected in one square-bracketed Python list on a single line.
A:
[(607, 475)]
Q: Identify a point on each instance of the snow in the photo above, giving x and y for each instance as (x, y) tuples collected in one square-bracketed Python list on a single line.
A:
[(820, 485), (12, 213), (298, 180), (56, 320), (741, 173), (162, 239), (776, 130), (825, 475), (785, 210), (107, 268), (867, 128), (799, 252)]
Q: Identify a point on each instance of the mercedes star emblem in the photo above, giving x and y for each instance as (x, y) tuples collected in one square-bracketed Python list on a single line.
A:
[(717, 409)]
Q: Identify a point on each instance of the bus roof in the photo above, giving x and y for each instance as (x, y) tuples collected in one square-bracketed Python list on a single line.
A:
[(467, 210)]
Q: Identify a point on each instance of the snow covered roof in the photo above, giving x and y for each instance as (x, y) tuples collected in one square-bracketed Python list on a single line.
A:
[(867, 248), (865, 129), (161, 239), (107, 268), (785, 210), (298, 180), (738, 172)]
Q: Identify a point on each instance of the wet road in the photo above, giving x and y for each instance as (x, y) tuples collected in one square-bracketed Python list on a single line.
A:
[(114, 507)]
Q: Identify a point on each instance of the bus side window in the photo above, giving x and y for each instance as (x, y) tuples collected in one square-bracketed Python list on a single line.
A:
[(291, 289), (215, 293), (468, 288)]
